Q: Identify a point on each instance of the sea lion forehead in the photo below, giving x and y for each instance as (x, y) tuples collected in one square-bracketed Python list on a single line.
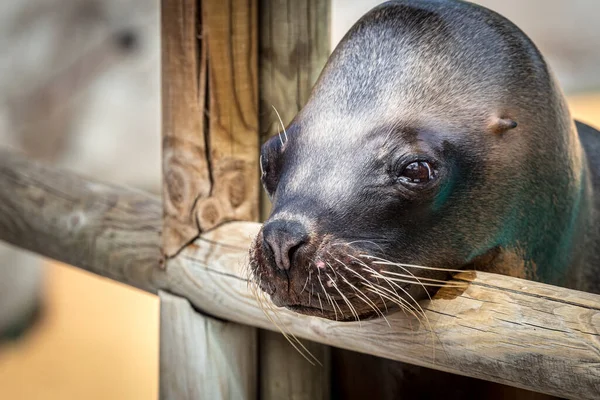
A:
[(429, 53)]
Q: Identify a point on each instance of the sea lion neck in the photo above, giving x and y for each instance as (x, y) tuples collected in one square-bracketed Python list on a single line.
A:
[(585, 239)]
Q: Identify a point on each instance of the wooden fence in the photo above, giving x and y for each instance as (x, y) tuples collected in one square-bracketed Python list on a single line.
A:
[(218, 87)]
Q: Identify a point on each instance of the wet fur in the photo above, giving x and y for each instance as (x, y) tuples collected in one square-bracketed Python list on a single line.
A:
[(433, 78)]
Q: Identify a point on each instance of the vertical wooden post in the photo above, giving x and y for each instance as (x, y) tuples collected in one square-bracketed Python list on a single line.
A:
[(210, 171), (294, 46), (203, 359)]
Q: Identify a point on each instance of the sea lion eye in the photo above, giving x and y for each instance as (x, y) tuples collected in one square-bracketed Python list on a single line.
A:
[(417, 172), (270, 159)]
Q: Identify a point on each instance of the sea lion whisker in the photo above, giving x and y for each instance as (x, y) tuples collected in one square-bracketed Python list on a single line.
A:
[(338, 290), (366, 300), (350, 306), (412, 276), (349, 269), (402, 306), (355, 289), (336, 304), (371, 283), (422, 312), (365, 265), (447, 284), (282, 126), (392, 293), (296, 343), (391, 283), (366, 280), (329, 299), (393, 286), (408, 306), (320, 303), (332, 269), (260, 296), (361, 262), (349, 244), (413, 312), (262, 302), (381, 261), (306, 283)]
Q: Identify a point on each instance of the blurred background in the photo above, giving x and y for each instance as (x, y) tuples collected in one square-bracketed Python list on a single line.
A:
[(80, 89)]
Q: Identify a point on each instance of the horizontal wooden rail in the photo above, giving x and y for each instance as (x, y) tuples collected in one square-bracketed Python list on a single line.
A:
[(111, 231), (502, 329)]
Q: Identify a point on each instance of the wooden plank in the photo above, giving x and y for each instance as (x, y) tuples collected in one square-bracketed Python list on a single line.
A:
[(205, 359), (183, 118), (507, 330), (104, 229), (520, 333), (294, 47), (210, 116), (210, 168), (286, 374)]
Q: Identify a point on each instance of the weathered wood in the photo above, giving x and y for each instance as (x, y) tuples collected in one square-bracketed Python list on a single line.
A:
[(502, 329), (294, 46), (210, 116), (210, 166), (104, 229), (231, 32), (218, 352), (286, 374), (521, 333), (183, 121)]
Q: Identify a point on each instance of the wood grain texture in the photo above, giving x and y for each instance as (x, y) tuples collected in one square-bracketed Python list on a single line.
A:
[(104, 229), (216, 352), (231, 32), (210, 170), (285, 374), (294, 47), (210, 116), (507, 330), (185, 165)]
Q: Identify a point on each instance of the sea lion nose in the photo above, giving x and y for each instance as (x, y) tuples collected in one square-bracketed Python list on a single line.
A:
[(283, 239)]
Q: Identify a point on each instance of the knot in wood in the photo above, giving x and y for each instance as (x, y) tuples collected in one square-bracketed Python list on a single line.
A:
[(175, 184), (237, 189), (209, 214)]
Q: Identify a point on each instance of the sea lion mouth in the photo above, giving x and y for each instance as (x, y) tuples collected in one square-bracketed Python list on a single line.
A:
[(345, 316), (341, 282), (348, 308)]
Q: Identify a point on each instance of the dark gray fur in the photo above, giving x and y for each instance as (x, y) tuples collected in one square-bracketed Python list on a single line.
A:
[(426, 78)]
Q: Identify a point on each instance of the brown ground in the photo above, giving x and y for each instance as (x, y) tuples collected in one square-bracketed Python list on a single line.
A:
[(96, 340)]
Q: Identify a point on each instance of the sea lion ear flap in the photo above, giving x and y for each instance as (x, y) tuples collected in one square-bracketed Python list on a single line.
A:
[(501, 125)]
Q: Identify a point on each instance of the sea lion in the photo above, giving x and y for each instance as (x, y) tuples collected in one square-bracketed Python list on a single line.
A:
[(436, 136)]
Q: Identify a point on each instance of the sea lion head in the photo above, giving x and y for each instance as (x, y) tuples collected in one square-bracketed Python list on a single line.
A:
[(435, 137)]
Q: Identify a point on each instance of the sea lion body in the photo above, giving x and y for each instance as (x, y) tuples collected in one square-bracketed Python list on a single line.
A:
[(436, 136)]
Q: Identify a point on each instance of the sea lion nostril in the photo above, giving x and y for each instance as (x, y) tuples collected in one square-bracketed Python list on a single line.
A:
[(282, 240)]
